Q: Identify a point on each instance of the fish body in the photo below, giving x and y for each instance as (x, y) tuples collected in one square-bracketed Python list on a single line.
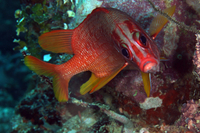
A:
[(99, 40), (104, 43)]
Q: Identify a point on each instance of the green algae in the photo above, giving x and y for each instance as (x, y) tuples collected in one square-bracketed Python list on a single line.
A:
[(36, 18)]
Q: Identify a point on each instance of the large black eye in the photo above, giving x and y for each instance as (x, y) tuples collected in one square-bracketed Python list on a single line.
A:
[(125, 52), (143, 40)]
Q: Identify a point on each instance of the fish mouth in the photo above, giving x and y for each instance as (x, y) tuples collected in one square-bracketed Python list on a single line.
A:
[(149, 65)]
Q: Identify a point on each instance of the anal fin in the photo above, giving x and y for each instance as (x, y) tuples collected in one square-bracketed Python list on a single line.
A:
[(95, 83)]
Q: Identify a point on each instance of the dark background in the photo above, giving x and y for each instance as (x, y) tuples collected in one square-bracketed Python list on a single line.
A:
[(13, 73)]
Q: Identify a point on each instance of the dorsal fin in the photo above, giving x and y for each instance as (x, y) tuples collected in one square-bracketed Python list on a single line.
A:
[(57, 41), (159, 22), (100, 9)]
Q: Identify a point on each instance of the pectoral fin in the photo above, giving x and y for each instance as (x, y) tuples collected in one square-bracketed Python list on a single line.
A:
[(146, 82), (95, 83), (163, 59)]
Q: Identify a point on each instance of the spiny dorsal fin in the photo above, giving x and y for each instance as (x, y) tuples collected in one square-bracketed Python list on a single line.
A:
[(159, 22)]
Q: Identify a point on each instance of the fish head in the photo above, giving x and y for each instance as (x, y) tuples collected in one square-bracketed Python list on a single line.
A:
[(136, 46)]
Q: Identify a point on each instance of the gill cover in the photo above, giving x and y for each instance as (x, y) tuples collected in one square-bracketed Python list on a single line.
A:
[(136, 46)]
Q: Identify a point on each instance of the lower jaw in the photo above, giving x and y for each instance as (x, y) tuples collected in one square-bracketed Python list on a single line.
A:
[(152, 68)]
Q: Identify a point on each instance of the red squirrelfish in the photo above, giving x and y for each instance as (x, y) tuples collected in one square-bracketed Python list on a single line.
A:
[(104, 43)]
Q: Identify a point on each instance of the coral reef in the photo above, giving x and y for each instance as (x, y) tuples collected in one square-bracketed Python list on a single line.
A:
[(190, 117), (122, 105), (6, 114), (194, 4), (196, 57), (37, 17)]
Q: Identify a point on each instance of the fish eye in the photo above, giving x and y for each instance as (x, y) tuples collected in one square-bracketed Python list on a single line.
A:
[(143, 40), (140, 38), (125, 52)]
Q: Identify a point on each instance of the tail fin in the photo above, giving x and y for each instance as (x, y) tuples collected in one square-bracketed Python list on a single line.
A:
[(60, 84)]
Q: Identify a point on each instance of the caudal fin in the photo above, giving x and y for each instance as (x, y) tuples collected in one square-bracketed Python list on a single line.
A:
[(60, 84)]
